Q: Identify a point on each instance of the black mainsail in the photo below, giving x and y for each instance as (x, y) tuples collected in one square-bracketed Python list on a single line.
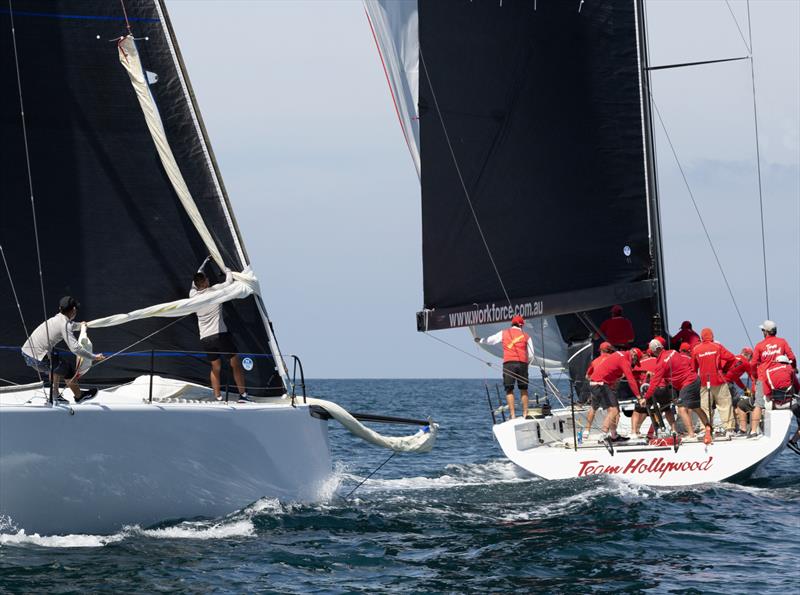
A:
[(111, 230), (536, 165)]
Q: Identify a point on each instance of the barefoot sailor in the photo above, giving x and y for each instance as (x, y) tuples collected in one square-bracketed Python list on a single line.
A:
[(39, 354), (517, 356)]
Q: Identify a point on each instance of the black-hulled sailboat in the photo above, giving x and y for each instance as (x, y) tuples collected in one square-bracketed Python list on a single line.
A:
[(110, 193), (529, 124)]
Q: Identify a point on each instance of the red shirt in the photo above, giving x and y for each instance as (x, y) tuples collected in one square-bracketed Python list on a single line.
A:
[(673, 367), (734, 373), (515, 345), (766, 352), (686, 335), (608, 368), (645, 369), (780, 377), (710, 360), (617, 331)]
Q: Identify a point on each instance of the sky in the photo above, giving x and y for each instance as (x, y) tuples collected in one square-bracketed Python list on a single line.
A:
[(300, 119)]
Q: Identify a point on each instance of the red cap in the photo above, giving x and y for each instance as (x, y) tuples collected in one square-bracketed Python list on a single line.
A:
[(661, 340), (685, 347), (637, 352), (616, 310), (518, 320), (707, 334), (606, 346), (686, 325), (747, 352)]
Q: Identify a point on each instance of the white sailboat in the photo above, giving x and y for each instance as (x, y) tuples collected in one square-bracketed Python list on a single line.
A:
[(111, 192), (520, 112)]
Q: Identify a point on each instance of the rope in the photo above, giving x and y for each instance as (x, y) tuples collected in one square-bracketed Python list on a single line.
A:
[(163, 328), (700, 217), (391, 456), (125, 13), (30, 177), (758, 159), (461, 178)]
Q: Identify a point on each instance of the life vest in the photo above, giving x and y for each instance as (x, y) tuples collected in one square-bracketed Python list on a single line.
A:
[(515, 345)]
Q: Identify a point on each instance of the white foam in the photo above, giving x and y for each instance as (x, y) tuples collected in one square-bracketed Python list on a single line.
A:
[(241, 528), (58, 541)]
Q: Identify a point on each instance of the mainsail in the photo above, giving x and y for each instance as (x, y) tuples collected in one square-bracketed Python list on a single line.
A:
[(112, 231), (536, 168)]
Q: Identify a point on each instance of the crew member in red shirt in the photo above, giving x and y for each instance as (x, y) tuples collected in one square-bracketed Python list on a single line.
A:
[(685, 335), (604, 374), (643, 371), (765, 353), (677, 369), (517, 356), (617, 330), (710, 360), (686, 349)]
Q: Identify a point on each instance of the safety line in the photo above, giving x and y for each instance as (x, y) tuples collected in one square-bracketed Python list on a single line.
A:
[(30, 178), (700, 217), (79, 17), (758, 160), (113, 355), (460, 177)]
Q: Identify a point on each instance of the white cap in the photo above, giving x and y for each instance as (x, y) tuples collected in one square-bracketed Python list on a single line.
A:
[(784, 359), (768, 326), (655, 345)]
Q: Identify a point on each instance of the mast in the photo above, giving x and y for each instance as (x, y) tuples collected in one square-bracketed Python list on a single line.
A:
[(654, 209)]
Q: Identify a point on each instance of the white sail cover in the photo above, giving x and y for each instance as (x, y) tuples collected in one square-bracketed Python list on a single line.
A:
[(244, 284), (550, 350), (129, 58), (394, 25)]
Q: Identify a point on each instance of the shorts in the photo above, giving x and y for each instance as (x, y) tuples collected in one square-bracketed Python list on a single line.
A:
[(603, 396), (515, 372), (215, 345), (760, 395), (689, 395), (62, 364), (662, 397), (735, 391)]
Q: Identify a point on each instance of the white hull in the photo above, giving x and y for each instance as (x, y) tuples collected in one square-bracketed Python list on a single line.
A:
[(99, 466), (637, 461)]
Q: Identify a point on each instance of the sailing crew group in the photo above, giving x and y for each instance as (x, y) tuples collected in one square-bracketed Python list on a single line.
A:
[(702, 378)]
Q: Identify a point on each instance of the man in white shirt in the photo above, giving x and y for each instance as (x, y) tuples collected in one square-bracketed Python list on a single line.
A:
[(214, 336), (38, 350)]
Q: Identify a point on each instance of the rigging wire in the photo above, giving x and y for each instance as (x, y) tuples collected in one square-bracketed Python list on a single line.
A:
[(19, 308), (155, 332), (735, 20), (461, 177), (700, 217), (30, 177), (758, 160)]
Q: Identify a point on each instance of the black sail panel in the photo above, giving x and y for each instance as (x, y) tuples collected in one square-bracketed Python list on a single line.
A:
[(111, 229), (531, 116)]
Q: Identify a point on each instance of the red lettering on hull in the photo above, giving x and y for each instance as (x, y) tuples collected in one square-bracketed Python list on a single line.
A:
[(657, 465)]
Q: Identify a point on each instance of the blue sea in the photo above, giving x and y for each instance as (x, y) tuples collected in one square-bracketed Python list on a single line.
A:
[(459, 519)]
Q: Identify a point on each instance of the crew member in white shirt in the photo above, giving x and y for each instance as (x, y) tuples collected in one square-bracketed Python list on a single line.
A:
[(214, 335), (38, 352)]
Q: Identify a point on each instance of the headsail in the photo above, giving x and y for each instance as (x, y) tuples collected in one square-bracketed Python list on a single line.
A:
[(112, 231), (535, 190)]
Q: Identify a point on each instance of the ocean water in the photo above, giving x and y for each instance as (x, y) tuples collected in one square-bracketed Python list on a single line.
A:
[(458, 519)]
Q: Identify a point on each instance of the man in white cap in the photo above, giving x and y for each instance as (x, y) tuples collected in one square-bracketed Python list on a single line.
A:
[(766, 353)]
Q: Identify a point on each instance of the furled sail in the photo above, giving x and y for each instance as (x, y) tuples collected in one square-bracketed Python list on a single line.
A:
[(112, 229), (536, 190)]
